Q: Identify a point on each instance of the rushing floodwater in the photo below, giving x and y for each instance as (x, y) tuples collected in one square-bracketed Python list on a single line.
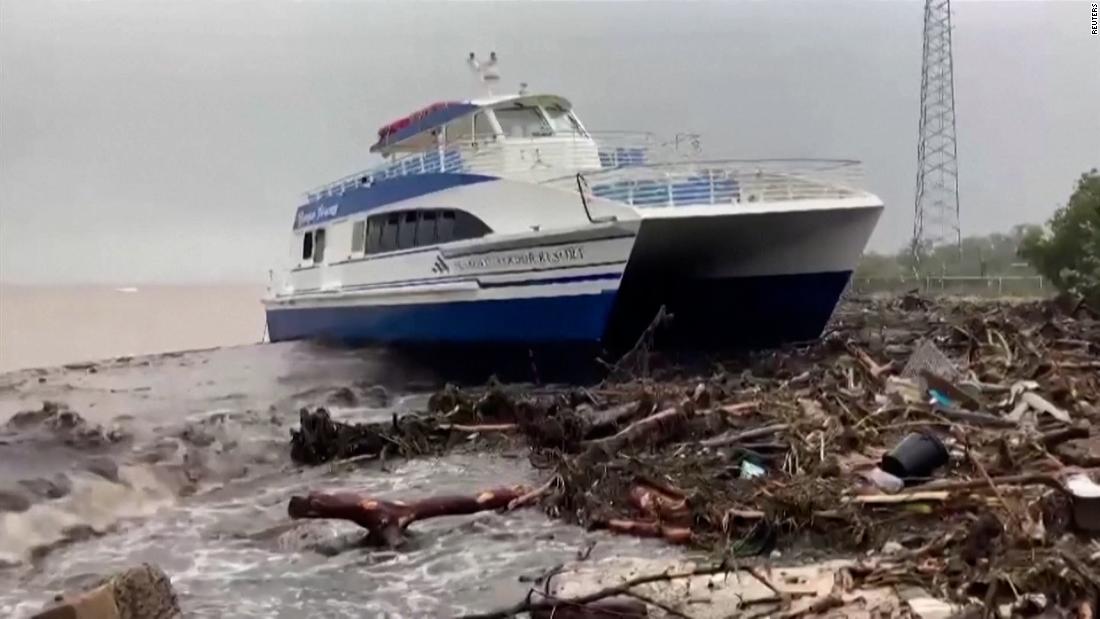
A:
[(195, 477)]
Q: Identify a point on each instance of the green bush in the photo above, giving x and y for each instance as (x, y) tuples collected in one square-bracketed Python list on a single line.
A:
[(1068, 252)]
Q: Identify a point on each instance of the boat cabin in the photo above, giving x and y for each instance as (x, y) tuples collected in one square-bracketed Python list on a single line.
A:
[(544, 119), (520, 137), (529, 138)]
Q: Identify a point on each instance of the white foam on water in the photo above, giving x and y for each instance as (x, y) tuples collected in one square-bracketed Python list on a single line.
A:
[(93, 502), (231, 549)]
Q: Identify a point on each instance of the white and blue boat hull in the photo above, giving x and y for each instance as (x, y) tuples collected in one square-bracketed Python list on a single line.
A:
[(580, 318), (730, 278), (517, 291)]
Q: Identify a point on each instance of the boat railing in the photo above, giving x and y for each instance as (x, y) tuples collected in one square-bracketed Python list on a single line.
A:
[(620, 149), (726, 181), (452, 158), (615, 149)]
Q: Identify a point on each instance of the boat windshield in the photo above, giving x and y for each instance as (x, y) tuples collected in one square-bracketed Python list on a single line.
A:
[(563, 121), (522, 122), (466, 129)]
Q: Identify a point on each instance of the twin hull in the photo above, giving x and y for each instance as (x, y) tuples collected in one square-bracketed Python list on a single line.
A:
[(730, 276)]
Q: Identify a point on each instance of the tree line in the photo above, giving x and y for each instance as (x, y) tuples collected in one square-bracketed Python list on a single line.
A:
[(1066, 250)]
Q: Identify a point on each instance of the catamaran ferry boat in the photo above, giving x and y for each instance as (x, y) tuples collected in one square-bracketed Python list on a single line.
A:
[(504, 220)]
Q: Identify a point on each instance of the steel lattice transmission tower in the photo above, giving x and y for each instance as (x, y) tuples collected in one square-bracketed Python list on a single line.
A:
[(936, 212)]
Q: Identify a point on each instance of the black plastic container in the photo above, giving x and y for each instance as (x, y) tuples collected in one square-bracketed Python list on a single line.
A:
[(915, 457)]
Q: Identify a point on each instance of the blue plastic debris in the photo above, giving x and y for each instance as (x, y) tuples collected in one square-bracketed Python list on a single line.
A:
[(941, 399)]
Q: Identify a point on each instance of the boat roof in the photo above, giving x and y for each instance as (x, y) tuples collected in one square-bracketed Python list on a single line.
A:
[(442, 112)]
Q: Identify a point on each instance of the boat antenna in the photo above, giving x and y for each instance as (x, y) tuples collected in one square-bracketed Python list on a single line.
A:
[(486, 71)]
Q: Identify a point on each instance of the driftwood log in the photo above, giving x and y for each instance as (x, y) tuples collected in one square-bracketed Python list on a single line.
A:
[(655, 428), (386, 521)]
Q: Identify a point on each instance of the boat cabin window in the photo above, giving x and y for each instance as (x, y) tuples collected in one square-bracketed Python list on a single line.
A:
[(563, 122), (374, 234), (359, 236), (425, 228), (307, 246), (406, 234), (483, 126), (470, 128), (522, 122), (390, 224), (445, 227), (467, 227), (421, 228), (318, 246)]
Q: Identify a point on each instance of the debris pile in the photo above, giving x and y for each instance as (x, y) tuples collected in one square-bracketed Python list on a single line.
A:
[(946, 444)]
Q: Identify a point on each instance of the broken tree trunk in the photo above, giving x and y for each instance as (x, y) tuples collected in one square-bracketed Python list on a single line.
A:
[(736, 437), (386, 520), (606, 422), (655, 428)]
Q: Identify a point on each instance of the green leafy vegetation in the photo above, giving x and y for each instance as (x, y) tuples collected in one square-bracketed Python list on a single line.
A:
[(1068, 251), (1065, 252)]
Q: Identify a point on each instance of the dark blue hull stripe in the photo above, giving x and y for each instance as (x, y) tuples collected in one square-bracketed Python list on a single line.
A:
[(578, 318)]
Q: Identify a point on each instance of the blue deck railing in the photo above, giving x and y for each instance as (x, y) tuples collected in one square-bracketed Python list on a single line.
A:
[(616, 149), (719, 182), (707, 187)]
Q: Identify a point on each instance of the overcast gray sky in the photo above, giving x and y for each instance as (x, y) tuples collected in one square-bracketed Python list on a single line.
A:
[(170, 141)]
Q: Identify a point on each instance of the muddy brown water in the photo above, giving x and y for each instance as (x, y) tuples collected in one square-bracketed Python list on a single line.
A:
[(182, 460)]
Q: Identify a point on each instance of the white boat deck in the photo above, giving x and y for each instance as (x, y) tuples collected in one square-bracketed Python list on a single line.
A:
[(633, 168), (724, 182)]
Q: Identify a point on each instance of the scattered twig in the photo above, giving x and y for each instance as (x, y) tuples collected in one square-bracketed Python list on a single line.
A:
[(620, 589), (764, 580), (534, 495), (485, 427), (997, 491), (652, 602), (875, 369), (656, 424), (976, 418), (907, 497), (740, 407), (1091, 577), (637, 356), (737, 437), (1052, 439), (1008, 480)]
